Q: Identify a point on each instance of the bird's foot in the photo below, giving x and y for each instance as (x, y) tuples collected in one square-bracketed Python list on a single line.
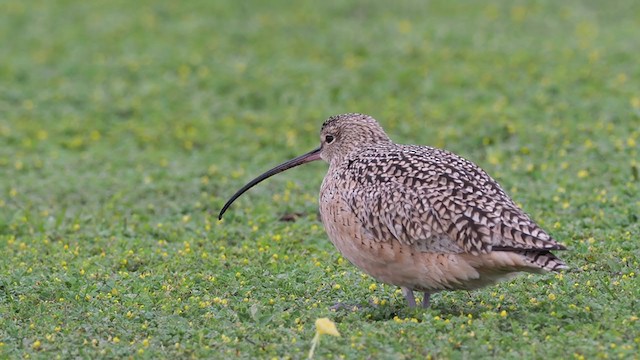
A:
[(411, 300), (426, 300)]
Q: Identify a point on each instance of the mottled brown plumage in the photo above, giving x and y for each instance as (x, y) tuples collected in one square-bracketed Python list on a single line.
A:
[(418, 217)]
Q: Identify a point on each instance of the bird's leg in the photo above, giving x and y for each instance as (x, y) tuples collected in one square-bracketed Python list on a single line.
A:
[(425, 300), (408, 294)]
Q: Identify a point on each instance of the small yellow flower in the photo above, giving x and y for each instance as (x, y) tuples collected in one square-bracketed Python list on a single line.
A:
[(326, 326)]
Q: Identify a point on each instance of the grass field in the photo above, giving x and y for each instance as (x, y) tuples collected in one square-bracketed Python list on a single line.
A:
[(124, 127)]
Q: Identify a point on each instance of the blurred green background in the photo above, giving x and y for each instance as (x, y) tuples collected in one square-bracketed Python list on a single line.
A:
[(124, 126)]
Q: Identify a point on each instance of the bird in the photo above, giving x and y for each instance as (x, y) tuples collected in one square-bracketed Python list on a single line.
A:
[(418, 217)]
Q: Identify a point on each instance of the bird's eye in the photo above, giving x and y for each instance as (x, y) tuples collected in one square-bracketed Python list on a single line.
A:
[(329, 139)]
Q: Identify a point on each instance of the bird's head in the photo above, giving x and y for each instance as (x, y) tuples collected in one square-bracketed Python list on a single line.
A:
[(343, 134), (340, 135)]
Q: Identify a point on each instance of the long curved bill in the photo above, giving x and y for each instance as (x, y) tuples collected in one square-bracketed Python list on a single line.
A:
[(303, 159)]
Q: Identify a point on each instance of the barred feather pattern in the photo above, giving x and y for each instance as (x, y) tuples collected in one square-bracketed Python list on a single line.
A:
[(415, 194)]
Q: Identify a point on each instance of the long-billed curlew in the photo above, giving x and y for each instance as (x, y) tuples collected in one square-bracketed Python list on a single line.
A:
[(418, 217)]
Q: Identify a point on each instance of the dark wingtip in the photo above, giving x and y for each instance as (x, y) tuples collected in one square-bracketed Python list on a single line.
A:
[(545, 248), (555, 246)]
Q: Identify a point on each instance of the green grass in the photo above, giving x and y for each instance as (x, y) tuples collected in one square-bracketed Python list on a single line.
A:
[(124, 126)]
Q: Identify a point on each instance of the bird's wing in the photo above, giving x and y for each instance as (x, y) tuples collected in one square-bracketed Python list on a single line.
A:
[(437, 201)]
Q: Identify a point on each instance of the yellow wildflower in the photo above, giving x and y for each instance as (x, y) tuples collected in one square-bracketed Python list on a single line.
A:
[(324, 326)]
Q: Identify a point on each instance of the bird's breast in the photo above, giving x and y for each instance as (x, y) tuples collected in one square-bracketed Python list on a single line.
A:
[(376, 257)]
